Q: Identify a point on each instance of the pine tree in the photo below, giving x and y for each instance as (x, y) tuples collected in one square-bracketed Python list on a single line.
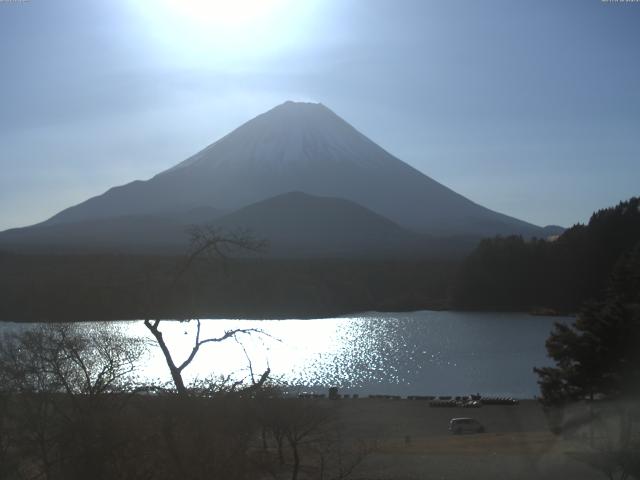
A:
[(599, 355)]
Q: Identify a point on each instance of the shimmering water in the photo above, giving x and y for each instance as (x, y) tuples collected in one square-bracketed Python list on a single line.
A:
[(421, 353)]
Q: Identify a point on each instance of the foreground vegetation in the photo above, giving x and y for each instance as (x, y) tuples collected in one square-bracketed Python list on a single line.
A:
[(72, 410)]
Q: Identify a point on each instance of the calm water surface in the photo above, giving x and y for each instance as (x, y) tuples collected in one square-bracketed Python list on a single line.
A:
[(420, 353)]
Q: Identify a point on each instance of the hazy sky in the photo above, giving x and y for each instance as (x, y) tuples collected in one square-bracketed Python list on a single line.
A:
[(531, 108)]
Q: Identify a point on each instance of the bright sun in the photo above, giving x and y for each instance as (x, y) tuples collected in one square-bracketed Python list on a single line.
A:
[(223, 30), (225, 14)]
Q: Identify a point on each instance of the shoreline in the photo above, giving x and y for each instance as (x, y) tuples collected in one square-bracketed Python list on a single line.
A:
[(285, 317)]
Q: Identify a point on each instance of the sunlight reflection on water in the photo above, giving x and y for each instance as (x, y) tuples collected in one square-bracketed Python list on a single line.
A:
[(421, 353)]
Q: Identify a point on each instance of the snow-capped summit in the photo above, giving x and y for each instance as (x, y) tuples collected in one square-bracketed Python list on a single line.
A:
[(291, 133)]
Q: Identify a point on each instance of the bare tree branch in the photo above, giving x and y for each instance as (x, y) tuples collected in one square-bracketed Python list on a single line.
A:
[(198, 343), (214, 243), (210, 242)]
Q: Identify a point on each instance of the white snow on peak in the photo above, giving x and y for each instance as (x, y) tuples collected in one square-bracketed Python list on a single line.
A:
[(289, 134)]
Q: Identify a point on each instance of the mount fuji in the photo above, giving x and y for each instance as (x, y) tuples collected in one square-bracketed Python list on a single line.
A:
[(294, 147)]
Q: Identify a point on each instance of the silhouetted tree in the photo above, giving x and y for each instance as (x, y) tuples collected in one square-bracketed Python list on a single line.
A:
[(206, 242), (63, 388), (598, 356)]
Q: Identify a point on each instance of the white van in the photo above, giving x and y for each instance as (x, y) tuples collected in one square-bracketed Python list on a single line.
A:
[(465, 425)]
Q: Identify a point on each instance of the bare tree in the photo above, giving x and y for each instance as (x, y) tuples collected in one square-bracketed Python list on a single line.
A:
[(206, 242), (177, 369), (62, 385), (307, 437), (340, 455), (63, 358), (303, 424), (6, 437)]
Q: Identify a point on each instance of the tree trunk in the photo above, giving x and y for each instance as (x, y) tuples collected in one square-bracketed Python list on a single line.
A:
[(296, 461), (176, 374), (280, 449)]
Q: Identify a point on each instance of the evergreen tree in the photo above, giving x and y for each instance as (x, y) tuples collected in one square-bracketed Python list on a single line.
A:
[(599, 355)]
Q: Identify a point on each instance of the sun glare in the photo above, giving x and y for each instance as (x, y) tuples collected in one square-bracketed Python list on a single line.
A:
[(224, 14), (222, 30)]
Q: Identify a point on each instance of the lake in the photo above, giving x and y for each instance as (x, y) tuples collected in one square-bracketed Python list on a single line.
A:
[(416, 353)]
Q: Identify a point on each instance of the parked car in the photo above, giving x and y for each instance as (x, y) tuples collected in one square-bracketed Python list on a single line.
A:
[(465, 425)]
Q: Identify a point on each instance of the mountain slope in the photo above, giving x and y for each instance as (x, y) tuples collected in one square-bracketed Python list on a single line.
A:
[(307, 148), (127, 233)]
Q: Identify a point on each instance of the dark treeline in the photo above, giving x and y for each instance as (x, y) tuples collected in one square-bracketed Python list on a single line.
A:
[(510, 273), (111, 287)]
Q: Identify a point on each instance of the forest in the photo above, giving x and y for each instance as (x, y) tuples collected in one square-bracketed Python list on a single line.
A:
[(547, 276), (122, 287)]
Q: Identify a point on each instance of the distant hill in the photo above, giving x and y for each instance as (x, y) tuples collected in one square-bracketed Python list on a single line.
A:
[(300, 225), (510, 273)]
